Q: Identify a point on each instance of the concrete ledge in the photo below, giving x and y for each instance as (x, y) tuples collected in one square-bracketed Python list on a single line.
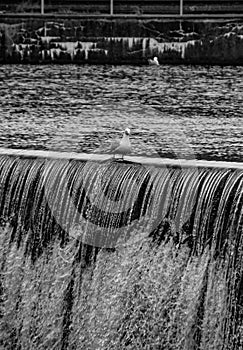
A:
[(149, 161), (193, 17)]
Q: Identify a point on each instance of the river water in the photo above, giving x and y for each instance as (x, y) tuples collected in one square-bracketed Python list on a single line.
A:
[(172, 111)]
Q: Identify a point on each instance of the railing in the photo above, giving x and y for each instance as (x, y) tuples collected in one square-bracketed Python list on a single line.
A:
[(113, 7)]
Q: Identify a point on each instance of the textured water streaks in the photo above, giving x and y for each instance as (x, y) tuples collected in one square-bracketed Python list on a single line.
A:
[(147, 46), (106, 200), (111, 255)]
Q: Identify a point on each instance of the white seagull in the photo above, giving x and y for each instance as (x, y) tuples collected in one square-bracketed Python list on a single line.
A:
[(123, 146), (153, 61)]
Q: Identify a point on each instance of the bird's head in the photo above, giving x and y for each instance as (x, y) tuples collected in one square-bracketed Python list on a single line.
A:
[(127, 131), (156, 59)]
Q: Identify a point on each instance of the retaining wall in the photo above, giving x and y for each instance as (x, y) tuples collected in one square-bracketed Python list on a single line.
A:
[(39, 39)]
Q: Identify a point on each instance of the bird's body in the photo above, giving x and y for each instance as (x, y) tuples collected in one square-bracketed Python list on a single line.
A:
[(124, 146), (154, 61)]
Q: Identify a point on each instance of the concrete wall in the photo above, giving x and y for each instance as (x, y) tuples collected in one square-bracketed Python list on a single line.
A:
[(120, 40)]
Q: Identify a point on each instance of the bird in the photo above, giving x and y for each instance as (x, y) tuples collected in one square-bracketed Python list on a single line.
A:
[(154, 61), (123, 146)]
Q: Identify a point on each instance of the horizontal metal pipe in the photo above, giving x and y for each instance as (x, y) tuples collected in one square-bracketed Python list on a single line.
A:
[(192, 17)]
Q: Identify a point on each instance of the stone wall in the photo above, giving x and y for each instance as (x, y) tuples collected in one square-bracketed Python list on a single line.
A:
[(120, 40)]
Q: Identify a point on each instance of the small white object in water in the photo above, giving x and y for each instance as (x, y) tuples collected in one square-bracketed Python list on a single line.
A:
[(154, 61), (124, 146)]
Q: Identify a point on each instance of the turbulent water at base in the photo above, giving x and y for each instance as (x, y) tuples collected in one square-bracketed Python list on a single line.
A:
[(173, 111), (119, 255)]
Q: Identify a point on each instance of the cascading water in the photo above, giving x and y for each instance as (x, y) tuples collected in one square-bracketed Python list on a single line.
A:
[(115, 255)]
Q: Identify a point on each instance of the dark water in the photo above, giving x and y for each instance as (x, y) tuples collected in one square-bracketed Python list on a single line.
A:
[(173, 111)]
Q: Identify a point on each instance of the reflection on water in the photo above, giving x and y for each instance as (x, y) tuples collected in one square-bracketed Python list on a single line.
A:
[(173, 111)]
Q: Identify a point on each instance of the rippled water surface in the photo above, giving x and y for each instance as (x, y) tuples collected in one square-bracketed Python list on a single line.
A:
[(173, 111)]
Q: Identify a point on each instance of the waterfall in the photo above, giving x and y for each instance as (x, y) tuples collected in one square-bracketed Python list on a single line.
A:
[(111, 254)]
